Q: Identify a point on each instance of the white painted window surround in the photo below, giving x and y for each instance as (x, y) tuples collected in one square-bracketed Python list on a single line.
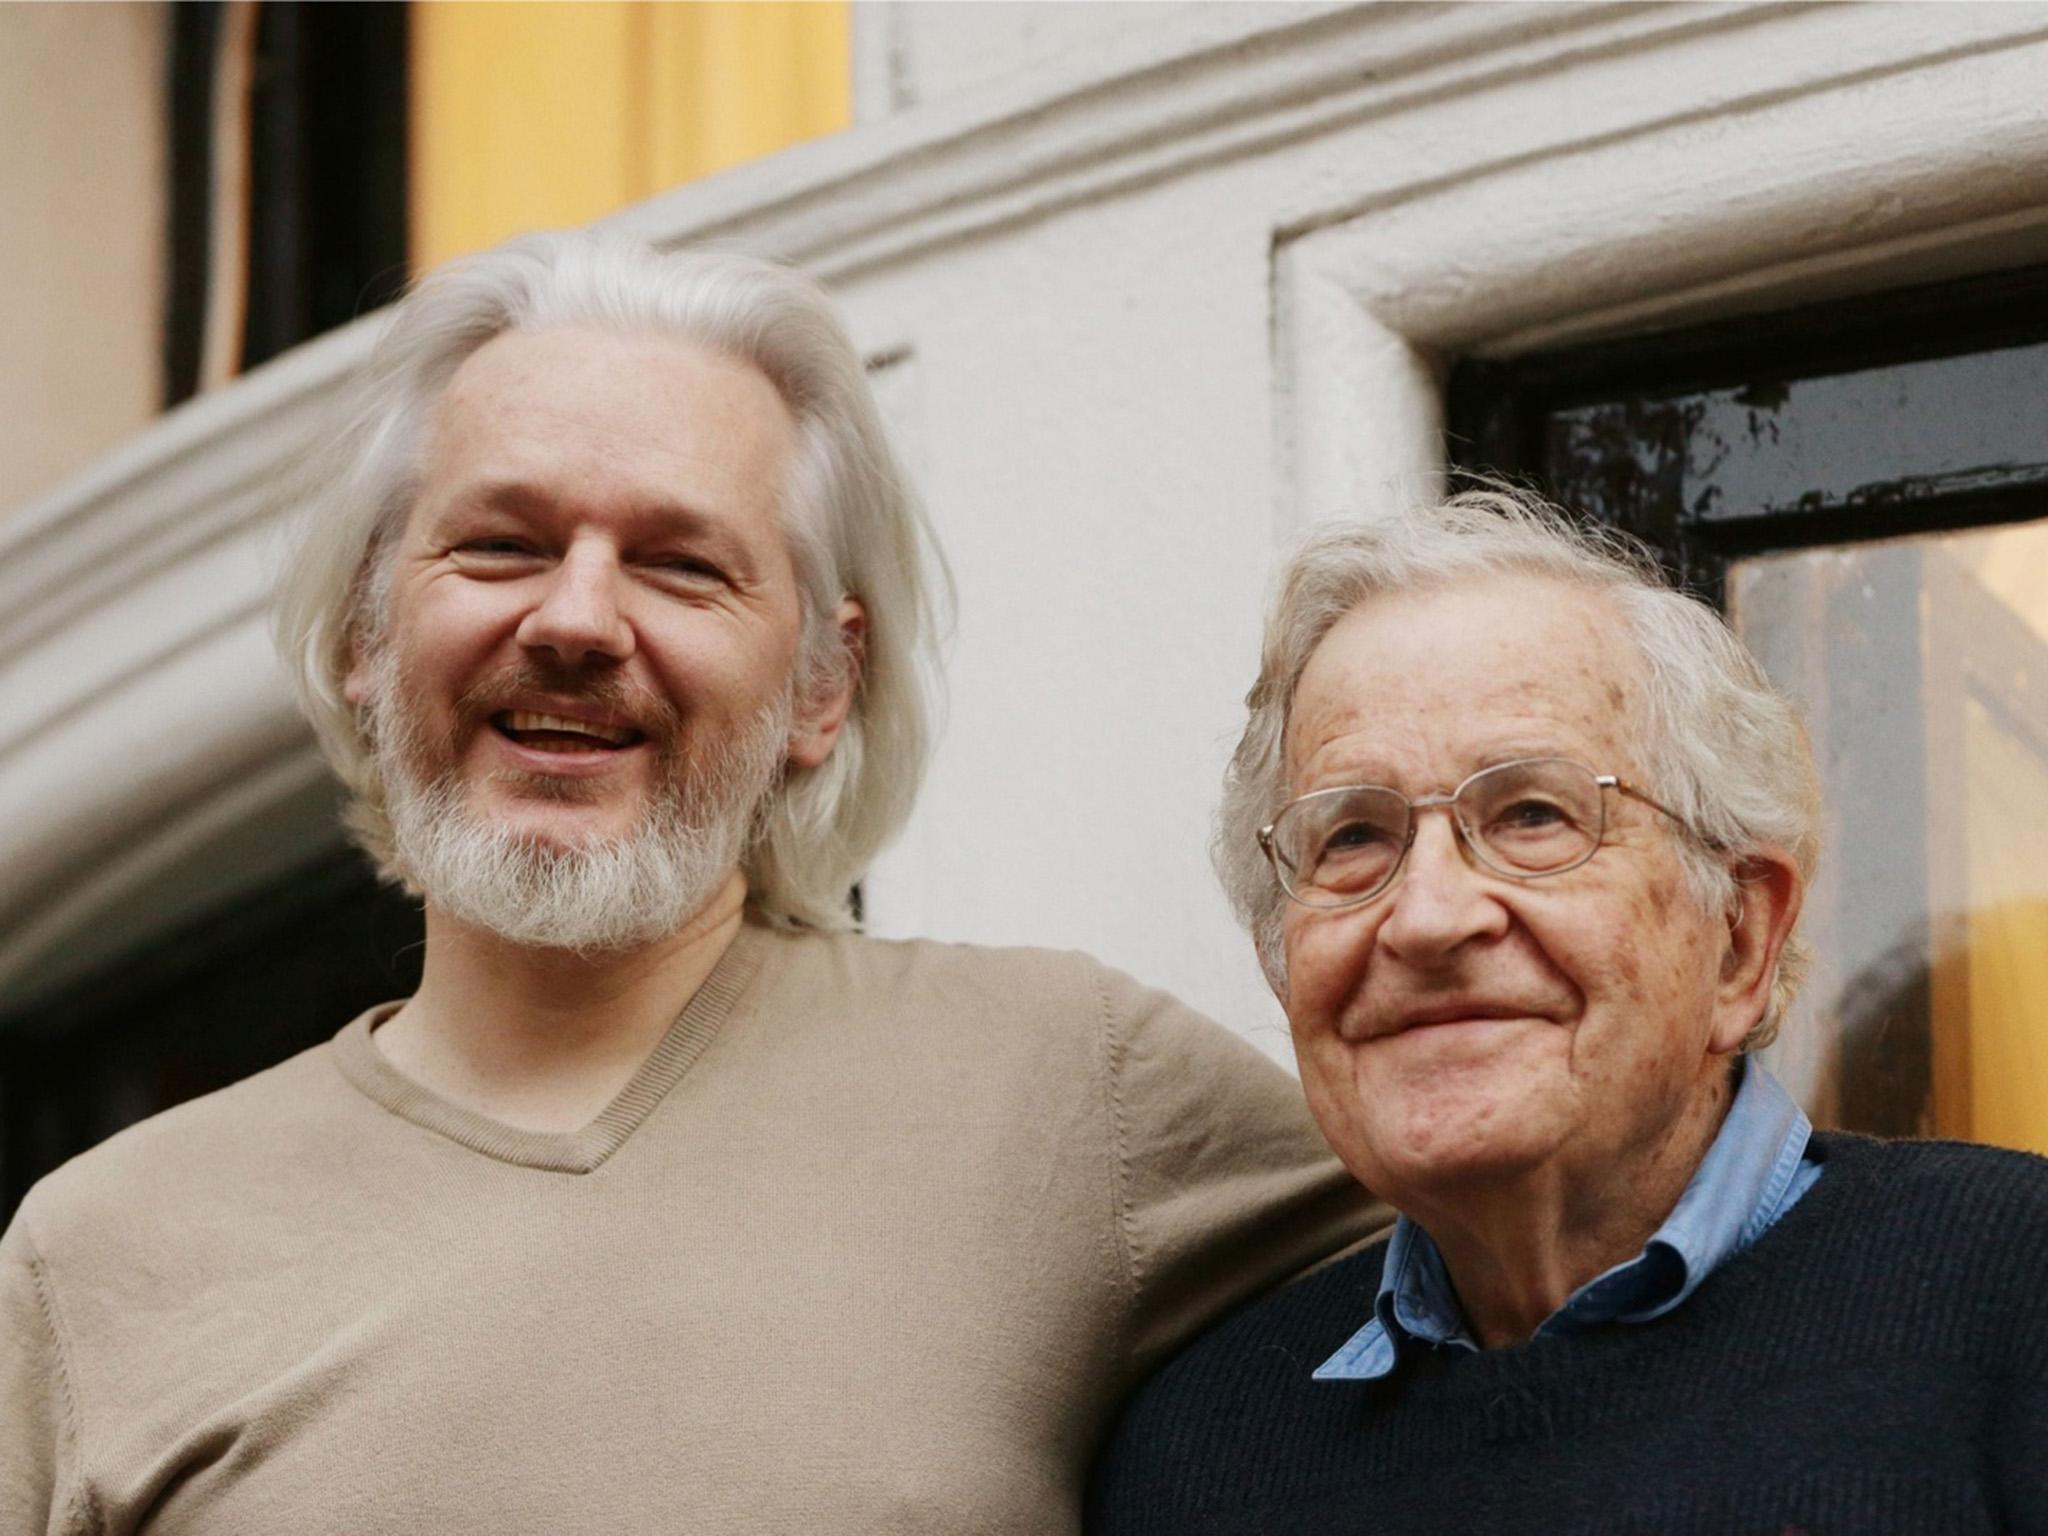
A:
[(1165, 304)]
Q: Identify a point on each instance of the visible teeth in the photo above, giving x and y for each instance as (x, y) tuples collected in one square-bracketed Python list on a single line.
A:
[(526, 720)]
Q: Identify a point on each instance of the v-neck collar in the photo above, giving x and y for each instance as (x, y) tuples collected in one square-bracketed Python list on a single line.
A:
[(580, 1151)]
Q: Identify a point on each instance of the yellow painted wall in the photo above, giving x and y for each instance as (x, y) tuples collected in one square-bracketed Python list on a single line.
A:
[(2007, 956), (83, 184), (534, 115)]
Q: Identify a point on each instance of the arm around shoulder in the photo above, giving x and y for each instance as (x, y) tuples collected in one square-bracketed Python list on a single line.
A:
[(1225, 1186)]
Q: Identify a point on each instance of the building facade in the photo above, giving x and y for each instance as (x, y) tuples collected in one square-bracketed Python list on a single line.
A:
[(1146, 290)]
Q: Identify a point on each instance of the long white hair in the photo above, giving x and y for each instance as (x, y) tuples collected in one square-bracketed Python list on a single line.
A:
[(854, 525)]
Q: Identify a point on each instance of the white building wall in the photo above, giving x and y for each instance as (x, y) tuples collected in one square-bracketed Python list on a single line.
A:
[(1153, 303), (910, 53), (1102, 493)]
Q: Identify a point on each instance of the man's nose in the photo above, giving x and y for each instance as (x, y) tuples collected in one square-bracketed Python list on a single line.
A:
[(1441, 897), (578, 617)]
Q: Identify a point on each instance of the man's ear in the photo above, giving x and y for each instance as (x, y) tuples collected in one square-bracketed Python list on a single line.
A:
[(821, 715), (1768, 893), (358, 650), (355, 682)]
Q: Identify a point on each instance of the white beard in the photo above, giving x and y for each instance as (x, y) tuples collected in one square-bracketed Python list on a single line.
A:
[(605, 894)]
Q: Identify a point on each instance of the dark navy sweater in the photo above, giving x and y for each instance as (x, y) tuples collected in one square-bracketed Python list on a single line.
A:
[(1877, 1362)]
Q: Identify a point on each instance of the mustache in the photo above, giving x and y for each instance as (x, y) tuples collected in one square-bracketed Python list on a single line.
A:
[(607, 692)]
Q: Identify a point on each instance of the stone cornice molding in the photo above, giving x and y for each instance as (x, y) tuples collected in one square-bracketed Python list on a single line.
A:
[(1759, 179), (1235, 80), (142, 720)]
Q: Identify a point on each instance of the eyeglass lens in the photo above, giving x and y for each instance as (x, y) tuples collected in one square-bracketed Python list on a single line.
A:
[(1534, 817)]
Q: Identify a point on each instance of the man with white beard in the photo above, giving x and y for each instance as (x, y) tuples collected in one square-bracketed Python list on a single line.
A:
[(667, 1201)]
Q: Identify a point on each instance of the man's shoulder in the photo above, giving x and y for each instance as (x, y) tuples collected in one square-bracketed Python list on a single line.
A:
[(1029, 1024), (964, 983), (1963, 1228), (197, 1154), (942, 961), (1939, 1176)]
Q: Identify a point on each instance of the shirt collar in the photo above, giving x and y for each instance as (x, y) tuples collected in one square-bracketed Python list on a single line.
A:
[(1753, 1172)]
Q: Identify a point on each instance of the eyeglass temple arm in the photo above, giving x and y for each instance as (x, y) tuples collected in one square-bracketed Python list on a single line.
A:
[(1610, 781)]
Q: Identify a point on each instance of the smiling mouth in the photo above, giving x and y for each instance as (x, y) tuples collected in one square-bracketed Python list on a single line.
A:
[(1436, 1018), (558, 733)]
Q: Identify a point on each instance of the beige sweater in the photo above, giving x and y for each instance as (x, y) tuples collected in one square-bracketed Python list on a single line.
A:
[(874, 1242)]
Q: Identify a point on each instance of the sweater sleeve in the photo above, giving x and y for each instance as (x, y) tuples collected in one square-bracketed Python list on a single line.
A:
[(35, 1404), (1225, 1186)]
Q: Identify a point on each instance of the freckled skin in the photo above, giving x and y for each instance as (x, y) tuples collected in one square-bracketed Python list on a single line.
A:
[(1534, 1146)]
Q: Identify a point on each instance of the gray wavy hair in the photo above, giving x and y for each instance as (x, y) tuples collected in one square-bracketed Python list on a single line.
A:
[(854, 525), (1725, 750)]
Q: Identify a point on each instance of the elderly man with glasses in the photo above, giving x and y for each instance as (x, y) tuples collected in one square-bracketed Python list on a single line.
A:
[(1521, 835)]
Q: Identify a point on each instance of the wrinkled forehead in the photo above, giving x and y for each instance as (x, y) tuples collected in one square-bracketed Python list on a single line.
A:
[(1475, 670)]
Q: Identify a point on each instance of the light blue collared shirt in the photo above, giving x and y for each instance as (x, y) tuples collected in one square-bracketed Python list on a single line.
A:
[(1755, 1172)]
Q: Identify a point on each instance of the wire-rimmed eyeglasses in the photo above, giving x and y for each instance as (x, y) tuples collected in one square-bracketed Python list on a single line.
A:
[(1526, 819)]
